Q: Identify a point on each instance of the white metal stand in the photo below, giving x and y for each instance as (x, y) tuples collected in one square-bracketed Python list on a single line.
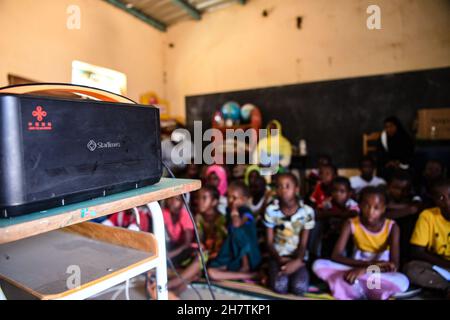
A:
[(160, 234), (159, 263)]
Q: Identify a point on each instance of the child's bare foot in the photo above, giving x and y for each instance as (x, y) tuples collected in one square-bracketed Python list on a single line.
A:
[(245, 269), (173, 296), (151, 293), (150, 288), (252, 277)]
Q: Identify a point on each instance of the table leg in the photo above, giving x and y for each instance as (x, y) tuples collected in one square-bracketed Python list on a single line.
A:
[(160, 234)]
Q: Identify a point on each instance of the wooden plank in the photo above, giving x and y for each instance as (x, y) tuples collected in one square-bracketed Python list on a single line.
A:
[(21, 227), (41, 265), (142, 241)]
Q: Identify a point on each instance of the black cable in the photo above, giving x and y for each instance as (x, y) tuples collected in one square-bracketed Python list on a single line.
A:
[(147, 281), (197, 237), (186, 283)]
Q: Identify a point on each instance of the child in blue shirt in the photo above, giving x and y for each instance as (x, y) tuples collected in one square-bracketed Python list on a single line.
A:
[(239, 256)]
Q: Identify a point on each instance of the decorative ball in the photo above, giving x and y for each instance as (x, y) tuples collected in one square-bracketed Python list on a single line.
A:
[(246, 111), (231, 110)]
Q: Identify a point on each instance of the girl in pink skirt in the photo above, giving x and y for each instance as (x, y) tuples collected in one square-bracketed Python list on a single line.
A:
[(372, 271)]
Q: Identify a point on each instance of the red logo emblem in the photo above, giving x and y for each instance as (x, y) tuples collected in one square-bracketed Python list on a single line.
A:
[(39, 114)]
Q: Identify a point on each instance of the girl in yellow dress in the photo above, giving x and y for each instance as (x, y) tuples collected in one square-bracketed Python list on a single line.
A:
[(371, 273)]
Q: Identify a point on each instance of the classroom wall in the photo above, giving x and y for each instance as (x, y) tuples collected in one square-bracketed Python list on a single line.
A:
[(236, 48), (35, 43), (230, 49)]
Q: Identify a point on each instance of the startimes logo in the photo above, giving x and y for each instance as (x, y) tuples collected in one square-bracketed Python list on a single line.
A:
[(92, 145)]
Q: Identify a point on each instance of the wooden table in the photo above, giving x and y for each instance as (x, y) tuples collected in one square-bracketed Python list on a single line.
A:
[(42, 252)]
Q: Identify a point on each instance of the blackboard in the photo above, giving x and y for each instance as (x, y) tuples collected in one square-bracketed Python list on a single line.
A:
[(333, 115)]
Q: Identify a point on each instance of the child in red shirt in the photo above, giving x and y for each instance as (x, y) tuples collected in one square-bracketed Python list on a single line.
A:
[(322, 191), (127, 219), (179, 230)]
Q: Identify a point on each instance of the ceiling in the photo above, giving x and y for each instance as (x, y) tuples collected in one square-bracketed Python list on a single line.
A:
[(162, 14)]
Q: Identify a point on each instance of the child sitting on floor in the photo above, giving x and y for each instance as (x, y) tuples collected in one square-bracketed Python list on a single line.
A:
[(322, 191), (401, 200), (179, 230), (288, 222), (260, 196), (251, 173), (403, 207), (239, 256), (330, 219), (367, 177), (431, 243), (212, 232), (313, 177), (136, 219), (371, 273), (217, 177), (434, 171)]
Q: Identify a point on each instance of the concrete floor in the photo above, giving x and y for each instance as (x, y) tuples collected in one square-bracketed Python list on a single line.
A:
[(137, 292)]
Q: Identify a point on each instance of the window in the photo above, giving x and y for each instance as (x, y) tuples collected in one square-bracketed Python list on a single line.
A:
[(98, 77)]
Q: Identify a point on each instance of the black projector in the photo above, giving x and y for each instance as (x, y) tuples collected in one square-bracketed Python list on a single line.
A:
[(57, 151)]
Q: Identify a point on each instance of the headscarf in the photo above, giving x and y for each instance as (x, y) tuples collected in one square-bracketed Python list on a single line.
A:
[(400, 146), (222, 175), (248, 171)]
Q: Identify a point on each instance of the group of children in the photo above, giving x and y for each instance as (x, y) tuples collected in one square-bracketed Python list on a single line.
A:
[(364, 237)]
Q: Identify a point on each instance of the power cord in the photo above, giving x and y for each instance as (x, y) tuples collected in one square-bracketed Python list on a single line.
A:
[(186, 283), (127, 288), (197, 237)]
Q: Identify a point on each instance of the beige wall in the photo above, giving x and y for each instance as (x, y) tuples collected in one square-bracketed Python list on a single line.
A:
[(35, 43), (236, 48), (230, 49)]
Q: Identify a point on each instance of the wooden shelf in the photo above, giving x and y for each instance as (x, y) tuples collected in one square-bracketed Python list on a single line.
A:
[(39, 265), (24, 226), (37, 250)]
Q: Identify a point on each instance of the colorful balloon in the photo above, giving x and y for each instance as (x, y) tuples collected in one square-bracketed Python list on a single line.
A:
[(246, 111), (231, 110)]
